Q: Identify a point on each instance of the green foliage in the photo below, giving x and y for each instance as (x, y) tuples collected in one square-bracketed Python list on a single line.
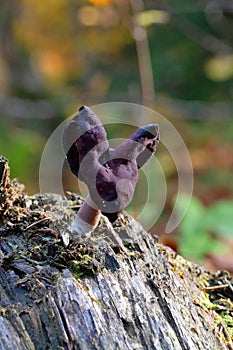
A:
[(22, 148), (199, 224), (219, 218)]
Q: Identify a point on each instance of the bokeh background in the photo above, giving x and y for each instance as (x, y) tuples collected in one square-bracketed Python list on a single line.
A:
[(175, 56)]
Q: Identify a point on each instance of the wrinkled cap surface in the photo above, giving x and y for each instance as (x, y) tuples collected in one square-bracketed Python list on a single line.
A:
[(110, 174)]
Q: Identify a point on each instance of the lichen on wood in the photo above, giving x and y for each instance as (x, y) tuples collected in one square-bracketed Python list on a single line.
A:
[(97, 294)]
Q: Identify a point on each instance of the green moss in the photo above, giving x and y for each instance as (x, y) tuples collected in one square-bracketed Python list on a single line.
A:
[(218, 296)]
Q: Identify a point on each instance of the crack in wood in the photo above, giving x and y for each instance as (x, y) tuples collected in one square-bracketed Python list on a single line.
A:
[(168, 315)]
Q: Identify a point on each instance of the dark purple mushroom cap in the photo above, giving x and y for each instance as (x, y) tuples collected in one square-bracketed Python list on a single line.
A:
[(110, 174), (149, 136), (81, 134)]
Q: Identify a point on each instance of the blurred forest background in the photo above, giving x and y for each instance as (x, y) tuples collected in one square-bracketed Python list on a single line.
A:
[(175, 56)]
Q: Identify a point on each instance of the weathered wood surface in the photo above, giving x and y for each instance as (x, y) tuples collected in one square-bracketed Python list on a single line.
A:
[(95, 295)]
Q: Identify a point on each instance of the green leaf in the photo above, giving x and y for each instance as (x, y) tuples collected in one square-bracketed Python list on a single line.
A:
[(193, 219), (194, 240), (220, 68), (219, 218), (149, 17)]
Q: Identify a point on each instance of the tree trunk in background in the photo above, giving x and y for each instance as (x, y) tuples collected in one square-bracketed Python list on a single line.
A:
[(95, 294)]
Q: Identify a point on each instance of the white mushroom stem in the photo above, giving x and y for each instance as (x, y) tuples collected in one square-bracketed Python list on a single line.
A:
[(86, 220)]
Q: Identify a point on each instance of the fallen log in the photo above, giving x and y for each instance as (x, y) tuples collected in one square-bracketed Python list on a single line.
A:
[(120, 289)]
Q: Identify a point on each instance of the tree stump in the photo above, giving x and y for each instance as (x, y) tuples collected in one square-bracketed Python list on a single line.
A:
[(117, 290)]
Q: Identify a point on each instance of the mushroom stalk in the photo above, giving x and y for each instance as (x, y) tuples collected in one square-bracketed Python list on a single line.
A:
[(86, 220), (89, 213)]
